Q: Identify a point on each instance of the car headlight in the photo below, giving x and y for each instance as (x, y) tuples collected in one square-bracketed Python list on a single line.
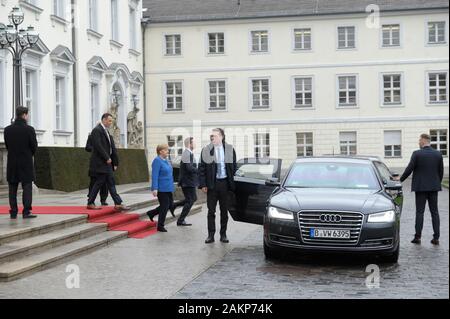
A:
[(279, 213), (383, 217)]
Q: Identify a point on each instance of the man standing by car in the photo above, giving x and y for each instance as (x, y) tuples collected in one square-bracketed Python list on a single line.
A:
[(188, 180), (216, 177), (21, 143), (427, 166)]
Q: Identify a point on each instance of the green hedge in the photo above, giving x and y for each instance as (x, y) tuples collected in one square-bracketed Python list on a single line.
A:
[(66, 169)]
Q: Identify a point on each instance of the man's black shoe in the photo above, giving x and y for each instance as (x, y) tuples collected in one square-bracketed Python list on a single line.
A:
[(183, 224), (13, 216), (210, 239), (151, 215), (416, 240), (29, 216), (105, 204), (224, 239), (162, 230), (435, 242)]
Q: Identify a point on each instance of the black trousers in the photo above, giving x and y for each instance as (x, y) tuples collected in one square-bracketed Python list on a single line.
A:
[(165, 202), (101, 180), (421, 200), (103, 191), (218, 194), (190, 197), (27, 198)]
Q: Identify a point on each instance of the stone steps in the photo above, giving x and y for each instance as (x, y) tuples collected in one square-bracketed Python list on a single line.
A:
[(37, 262), (32, 245)]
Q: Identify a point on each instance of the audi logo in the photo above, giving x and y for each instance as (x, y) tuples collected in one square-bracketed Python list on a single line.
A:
[(330, 218)]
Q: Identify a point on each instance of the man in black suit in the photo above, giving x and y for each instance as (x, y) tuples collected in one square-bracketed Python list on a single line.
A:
[(104, 161), (216, 177), (21, 143), (93, 176), (188, 180), (427, 166)]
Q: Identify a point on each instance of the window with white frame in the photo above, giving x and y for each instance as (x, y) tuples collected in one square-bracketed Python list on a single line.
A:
[(60, 102), (302, 39), (115, 20), (303, 92), (437, 87), (94, 103), (175, 146), (305, 144), (437, 32), (132, 28), (174, 96), (393, 143), (59, 8), (93, 15), (217, 98), (173, 44), (347, 90), (216, 43), (260, 41), (262, 145), (439, 141), (348, 143), (392, 89), (346, 37), (260, 94), (30, 95), (391, 35)]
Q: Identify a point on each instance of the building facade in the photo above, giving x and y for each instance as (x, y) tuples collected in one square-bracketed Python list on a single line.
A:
[(291, 81), (88, 62)]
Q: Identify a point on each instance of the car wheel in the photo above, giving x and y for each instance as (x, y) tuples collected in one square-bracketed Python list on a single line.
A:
[(392, 258), (270, 253)]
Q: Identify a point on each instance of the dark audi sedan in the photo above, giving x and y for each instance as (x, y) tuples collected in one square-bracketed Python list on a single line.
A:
[(323, 204)]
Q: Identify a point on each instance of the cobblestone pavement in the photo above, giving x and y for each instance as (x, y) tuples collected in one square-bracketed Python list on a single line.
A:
[(422, 271)]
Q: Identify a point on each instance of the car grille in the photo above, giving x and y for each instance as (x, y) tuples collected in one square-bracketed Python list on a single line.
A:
[(349, 221)]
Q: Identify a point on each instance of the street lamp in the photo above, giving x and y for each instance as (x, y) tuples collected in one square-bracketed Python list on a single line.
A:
[(17, 41)]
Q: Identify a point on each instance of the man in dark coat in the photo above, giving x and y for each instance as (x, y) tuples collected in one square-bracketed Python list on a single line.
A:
[(427, 166), (21, 143), (216, 178), (104, 189), (104, 161), (188, 180)]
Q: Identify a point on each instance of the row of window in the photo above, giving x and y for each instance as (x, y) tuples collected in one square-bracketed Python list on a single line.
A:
[(303, 92), (302, 39), (305, 144), (60, 10)]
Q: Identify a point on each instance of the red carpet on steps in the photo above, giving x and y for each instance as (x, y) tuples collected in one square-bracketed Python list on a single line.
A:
[(116, 221)]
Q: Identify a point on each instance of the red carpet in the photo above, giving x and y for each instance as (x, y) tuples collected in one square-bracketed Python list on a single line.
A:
[(116, 221)]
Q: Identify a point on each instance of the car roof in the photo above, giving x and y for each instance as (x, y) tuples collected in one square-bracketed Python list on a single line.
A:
[(339, 159)]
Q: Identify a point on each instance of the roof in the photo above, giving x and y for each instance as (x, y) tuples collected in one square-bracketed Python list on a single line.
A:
[(203, 10)]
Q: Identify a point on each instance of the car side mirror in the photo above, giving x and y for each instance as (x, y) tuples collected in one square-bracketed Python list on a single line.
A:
[(395, 175), (273, 182), (393, 186)]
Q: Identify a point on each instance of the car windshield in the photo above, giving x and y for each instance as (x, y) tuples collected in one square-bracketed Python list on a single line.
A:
[(332, 175)]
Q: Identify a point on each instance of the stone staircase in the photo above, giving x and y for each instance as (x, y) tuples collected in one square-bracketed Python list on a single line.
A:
[(3, 191), (55, 239)]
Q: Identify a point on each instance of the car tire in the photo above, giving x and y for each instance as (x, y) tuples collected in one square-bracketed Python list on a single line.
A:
[(392, 258), (271, 253)]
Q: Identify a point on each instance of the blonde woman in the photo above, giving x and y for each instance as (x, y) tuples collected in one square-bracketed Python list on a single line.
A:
[(162, 185)]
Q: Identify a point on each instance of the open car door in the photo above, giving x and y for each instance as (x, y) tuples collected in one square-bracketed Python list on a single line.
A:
[(255, 179)]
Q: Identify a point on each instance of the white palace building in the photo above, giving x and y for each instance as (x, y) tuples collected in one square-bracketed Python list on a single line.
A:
[(89, 56), (285, 78), (292, 78)]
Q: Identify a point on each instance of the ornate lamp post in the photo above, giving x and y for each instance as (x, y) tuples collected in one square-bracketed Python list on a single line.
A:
[(17, 41)]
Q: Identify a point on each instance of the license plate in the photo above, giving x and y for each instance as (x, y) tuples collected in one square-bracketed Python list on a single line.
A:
[(330, 233)]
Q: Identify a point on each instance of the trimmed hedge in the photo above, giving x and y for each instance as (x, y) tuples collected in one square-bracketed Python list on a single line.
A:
[(66, 169)]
